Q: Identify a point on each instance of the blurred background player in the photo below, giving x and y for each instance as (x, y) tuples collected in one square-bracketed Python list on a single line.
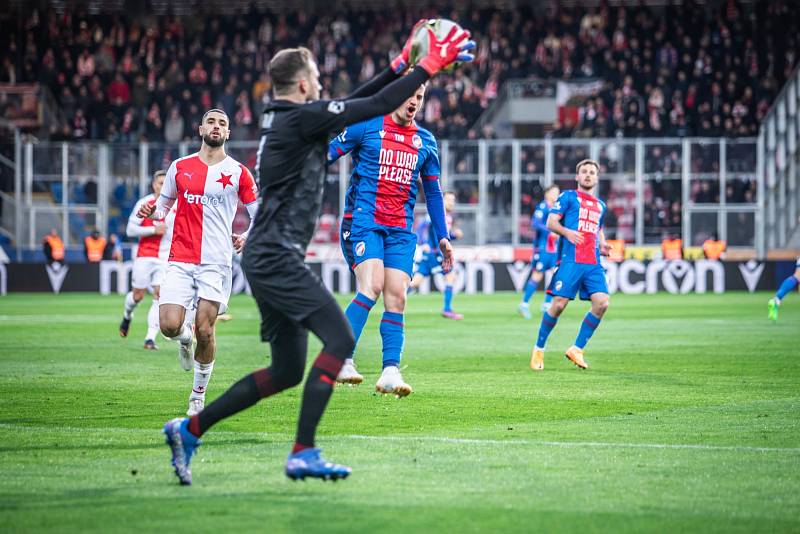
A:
[(545, 252), (431, 261), (207, 186), (295, 135), (786, 287), (577, 216), (389, 153), (150, 263)]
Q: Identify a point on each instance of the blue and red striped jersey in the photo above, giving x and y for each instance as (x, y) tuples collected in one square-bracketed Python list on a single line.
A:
[(426, 234), (544, 240), (583, 213), (387, 160)]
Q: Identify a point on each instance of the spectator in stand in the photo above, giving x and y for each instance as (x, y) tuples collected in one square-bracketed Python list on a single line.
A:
[(669, 69), (173, 129), (154, 128), (119, 92)]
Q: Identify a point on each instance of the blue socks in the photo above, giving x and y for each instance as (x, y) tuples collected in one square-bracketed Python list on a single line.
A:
[(448, 298), (548, 323), (787, 286), (588, 326), (530, 289), (393, 338), (357, 313)]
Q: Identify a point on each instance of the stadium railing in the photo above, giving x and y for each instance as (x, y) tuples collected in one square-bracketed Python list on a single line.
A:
[(695, 188), (779, 160)]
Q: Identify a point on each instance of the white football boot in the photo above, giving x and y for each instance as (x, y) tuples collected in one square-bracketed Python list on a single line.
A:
[(186, 356), (195, 406), (349, 374), (391, 382)]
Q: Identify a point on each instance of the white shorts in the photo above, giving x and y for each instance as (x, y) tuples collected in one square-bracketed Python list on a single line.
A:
[(148, 272), (185, 281)]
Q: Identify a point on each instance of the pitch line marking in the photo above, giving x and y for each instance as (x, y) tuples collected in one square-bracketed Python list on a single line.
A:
[(437, 439), (595, 444)]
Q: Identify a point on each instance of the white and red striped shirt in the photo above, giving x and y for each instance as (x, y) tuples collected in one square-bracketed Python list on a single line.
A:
[(150, 244), (207, 199)]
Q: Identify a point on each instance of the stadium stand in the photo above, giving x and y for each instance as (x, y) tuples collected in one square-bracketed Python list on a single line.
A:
[(669, 71)]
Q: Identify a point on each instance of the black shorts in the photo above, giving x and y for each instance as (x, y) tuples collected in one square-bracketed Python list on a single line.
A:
[(285, 289)]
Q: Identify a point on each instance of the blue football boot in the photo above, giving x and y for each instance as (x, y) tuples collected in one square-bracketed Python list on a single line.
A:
[(182, 443), (310, 463)]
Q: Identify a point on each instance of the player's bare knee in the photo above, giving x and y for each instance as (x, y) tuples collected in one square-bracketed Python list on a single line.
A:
[(170, 325), (557, 306), (138, 294), (204, 333), (170, 329), (374, 289), (394, 301), (599, 308)]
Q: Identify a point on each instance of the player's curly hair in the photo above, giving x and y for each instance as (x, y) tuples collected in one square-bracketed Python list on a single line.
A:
[(583, 162), (285, 67)]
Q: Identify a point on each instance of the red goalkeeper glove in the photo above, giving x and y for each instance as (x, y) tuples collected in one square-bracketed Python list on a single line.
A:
[(443, 53), (400, 63)]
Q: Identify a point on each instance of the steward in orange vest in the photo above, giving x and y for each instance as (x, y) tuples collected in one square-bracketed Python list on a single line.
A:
[(617, 252), (53, 247), (713, 248), (94, 244), (672, 249)]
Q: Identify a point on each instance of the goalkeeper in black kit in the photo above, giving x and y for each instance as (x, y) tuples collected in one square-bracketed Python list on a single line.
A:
[(291, 166)]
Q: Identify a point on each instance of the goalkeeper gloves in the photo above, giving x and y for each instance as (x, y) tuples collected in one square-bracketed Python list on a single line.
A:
[(455, 46), (400, 63)]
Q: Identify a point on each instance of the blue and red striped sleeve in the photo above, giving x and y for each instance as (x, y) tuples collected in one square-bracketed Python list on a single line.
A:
[(346, 141)]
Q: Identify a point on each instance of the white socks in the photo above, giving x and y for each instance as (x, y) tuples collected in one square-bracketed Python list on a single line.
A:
[(152, 321), (130, 304), (202, 374)]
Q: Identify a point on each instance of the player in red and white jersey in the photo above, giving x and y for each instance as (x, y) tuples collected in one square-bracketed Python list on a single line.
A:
[(150, 263), (206, 187)]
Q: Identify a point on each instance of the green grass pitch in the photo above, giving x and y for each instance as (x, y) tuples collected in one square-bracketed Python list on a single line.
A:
[(687, 420)]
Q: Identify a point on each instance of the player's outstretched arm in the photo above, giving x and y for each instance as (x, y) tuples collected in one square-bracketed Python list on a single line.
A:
[(323, 117)]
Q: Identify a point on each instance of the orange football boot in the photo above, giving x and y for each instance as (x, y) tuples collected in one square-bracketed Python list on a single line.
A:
[(575, 355), (537, 359)]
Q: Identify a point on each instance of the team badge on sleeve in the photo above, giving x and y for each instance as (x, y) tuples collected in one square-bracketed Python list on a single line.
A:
[(336, 107)]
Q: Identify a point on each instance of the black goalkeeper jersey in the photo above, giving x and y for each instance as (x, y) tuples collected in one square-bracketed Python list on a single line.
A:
[(292, 156)]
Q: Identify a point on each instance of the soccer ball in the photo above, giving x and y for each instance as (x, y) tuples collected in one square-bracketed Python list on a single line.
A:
[(440, 27)]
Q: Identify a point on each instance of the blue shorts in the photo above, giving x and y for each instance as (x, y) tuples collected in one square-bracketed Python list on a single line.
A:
[(571, 278), (544, 261), (430, 263), (395, 247)]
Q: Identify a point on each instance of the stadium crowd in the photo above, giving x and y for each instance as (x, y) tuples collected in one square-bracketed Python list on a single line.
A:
[(671, 71), (689, 70)]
